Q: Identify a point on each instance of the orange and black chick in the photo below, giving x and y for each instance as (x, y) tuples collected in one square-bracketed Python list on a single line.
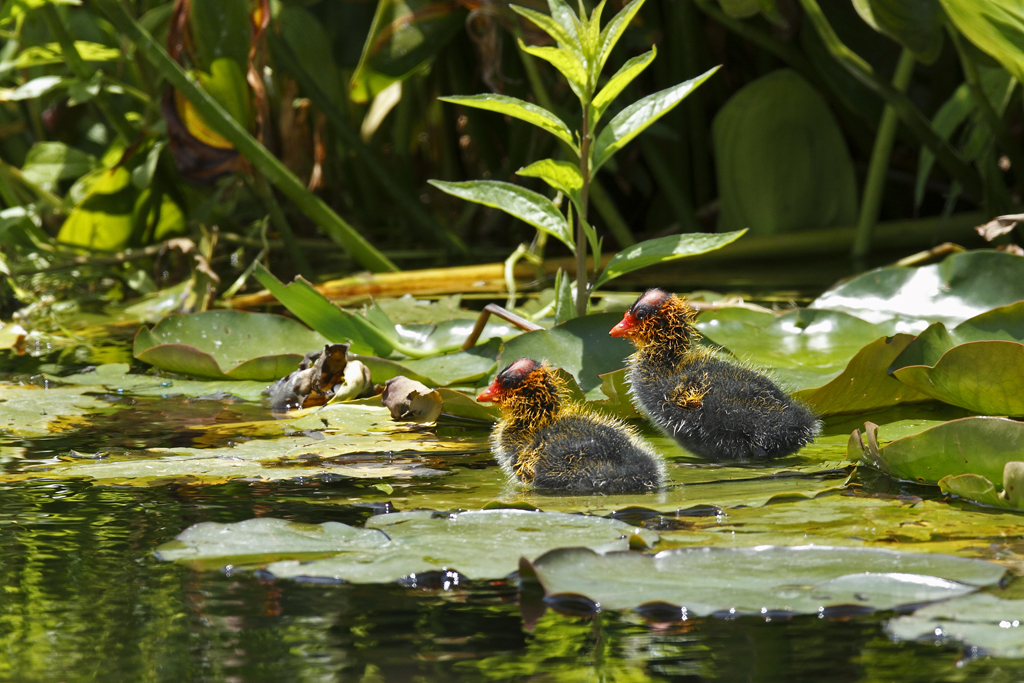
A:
[(714, 408), (551, 443)]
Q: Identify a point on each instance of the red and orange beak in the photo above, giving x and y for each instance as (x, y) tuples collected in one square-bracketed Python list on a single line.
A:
[(491, 393), (625, 326)]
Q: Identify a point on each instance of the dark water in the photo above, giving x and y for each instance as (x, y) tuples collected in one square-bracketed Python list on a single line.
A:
[(82, 598)]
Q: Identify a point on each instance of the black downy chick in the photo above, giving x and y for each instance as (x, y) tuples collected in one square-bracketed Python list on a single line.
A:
[(550, 443), (714, 409)]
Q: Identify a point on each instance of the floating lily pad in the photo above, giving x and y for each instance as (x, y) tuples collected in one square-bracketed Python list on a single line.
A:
[(117, 377), (484, 544), (761, 580), (864, 385), (971, 445), (35, 411), (335, 441), (960, 287), (993, 625), (461, 367), (227, 345), (804, 348), (581, 346)]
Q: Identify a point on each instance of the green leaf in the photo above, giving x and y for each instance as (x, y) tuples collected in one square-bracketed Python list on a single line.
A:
[(519, 109), (567, 63), (793, 580), (37, 87), (915, 24), (663, 250), (103, 220), (590, 41), (304, 34), (981, 622), (483, 544), (561, 175), (960, 287), (613, 31), (336, 325), (635, 118), (781, 159), (864, 385), (995, 26), (219, 29), (226, 83), (947, 119), (47, 163), (581, 347), (557, 29), (975, 488), (41, 55), (405, 36), (623, 77), (227, 345), (528, 206), (971, 445), (563, 14)]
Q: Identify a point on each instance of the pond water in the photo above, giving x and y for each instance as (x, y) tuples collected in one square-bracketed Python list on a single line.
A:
[(83, 597)]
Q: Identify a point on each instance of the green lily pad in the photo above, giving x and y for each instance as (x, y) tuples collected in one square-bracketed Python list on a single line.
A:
[(1005, 323), (117, 377), (804, 348), (864, 385), (993, 625), (960, 287), (461, 367), (227, 345), (975, 488), (335, 441), (761, 580), (483, 544), (35, 411), (971, 445), (581, 346)]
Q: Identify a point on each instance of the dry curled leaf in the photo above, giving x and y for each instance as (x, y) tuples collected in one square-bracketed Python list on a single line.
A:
[(411, 401), (322, 377), (1000, 225)]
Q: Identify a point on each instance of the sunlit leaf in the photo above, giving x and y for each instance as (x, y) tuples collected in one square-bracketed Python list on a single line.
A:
[(557, 29), (983, 621), (613, 31), (635, 118), (561, 175), (40, 55), (227, 345), (519, 109), (528, 206), (47, 163), (995, 26), (765, 579), (623, 77), (984, 376), (663, 250), (567, 63)]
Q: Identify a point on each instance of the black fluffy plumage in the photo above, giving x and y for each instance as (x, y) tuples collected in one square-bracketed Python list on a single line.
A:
[(714, 408), (551, 443)]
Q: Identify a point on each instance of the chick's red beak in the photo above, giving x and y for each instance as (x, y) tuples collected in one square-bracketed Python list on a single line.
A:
[(491, 393), (624, 327)]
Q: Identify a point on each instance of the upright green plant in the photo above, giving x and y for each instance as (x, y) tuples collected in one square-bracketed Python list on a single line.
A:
[(583, 48)]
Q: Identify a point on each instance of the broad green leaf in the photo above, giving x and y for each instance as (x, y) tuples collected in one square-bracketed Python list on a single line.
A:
[(804, 348), (104, 219), (995, 26), (227, 345), (864, 385), (975, 488), (563, 14), (47, 163), (118, 378), (983, 376), (791, 580), (581, 346), (336, 325), (554, 27), (781, 158), (663, 250), (461, 367), (40, 55), (528, 206), (915, 24), (615, 85), (404, 37), (613, 31), (304, 34), (635, 118), (519, 109), (30, 90), (971, 445), (561, 175), (220, 29), (960, 287), (226, 83), (983, 621), (27, 411), (567, 63), (484, 544)]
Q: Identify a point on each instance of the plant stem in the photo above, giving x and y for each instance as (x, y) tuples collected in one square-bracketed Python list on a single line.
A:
[(221, 122), (582, 293), (874, 184), (912, 118)]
